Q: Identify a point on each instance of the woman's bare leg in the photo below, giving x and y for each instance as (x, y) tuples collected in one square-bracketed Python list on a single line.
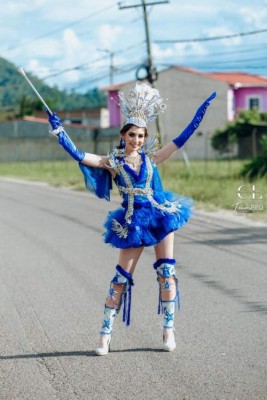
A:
[(164, 249), (128, 258)]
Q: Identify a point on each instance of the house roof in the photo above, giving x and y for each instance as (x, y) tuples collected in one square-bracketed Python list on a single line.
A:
[(187, 69), (35, 119), (239, 78), (236, 79), (115, 86), (44, 121)]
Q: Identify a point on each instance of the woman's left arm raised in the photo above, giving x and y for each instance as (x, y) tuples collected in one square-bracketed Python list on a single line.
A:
[(170, 148)]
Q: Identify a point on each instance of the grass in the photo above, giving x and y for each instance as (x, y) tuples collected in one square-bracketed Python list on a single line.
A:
[(212, 184), (56, 173)]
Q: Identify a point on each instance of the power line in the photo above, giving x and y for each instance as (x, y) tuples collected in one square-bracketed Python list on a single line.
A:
[(124, 69), (151, 73), (211, 38), (248, 49), (208, 66), (77, 67), (82, 34), (234, 61), (139, 5), (225, 61), (59, 29), (201, 61), (87, 65), (86, 83)]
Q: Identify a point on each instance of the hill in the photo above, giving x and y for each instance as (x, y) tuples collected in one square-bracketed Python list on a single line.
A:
[(18, 99)]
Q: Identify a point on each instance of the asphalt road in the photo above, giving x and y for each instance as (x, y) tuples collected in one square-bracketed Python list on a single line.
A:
[(54, 276)]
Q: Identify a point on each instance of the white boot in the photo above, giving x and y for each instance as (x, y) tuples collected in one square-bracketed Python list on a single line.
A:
[(104, 345), (168, 340)]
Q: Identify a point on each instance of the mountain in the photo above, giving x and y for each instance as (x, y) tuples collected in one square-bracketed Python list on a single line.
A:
[(17, 97)]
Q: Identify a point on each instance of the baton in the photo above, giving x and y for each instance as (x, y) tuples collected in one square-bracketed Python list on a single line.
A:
[(21, 71)]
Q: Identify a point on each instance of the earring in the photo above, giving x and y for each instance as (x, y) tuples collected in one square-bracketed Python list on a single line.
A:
[(122, 142)]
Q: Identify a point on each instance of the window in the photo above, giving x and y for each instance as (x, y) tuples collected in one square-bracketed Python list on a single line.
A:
[(254, 103)]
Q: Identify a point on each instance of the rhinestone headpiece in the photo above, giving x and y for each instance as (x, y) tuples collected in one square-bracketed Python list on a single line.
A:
[(142, 105)]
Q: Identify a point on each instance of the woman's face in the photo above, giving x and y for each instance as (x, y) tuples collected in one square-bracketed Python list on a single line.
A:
[(134, 139)]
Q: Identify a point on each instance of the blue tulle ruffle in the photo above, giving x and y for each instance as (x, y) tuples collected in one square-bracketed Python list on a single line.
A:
[(149, 225)]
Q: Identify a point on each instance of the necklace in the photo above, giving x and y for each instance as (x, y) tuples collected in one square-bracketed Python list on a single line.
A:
[(136, 161), (133, 159)]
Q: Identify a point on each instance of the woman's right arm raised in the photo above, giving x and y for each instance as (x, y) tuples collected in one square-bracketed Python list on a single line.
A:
[(92, 160)]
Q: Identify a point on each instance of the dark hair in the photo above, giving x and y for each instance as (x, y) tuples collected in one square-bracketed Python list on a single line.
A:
[(125, 128)]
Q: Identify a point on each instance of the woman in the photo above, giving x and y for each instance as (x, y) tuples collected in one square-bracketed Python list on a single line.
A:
[(148, 215)]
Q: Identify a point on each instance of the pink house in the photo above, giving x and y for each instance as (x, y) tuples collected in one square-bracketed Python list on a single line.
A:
[(245, 91), (185, 89), (113, 104)]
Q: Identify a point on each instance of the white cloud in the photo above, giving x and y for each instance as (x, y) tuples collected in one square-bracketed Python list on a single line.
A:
[(254, 18), (160, 53), (191, 8), (224, 31), (69, 10), (107, 35), (36, 68), (115, 30), (195, 48), (53, 10), (73, 54), (45, 48), (48, 56), (15, 8), (72, 46), (178, 51)]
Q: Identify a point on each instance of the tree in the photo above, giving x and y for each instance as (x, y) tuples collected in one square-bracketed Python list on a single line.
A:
[(257, 167), (223, 139), (15, 93)]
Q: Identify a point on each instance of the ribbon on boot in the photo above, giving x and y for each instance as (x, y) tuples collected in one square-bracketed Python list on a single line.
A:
[(127, 296)]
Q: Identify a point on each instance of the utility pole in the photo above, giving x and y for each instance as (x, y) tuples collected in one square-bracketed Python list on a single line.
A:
[(150, 69), (111, 55), (111, 65), (148, 46)]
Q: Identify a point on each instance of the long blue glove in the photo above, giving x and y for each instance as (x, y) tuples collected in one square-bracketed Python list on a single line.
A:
[(190, 129), (63, 138)]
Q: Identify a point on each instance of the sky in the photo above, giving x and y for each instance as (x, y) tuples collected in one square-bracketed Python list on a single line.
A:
[(72, 43)]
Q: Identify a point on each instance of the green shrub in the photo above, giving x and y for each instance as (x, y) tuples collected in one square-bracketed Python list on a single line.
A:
[(257, 167)]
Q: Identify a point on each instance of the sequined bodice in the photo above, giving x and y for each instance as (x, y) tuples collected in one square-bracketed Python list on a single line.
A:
[(129, 181), (139, 188)]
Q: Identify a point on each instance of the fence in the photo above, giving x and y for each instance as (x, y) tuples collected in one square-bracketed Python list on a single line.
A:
[(30, 141)]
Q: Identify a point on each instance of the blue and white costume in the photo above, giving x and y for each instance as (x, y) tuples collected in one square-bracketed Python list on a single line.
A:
[(148, 213)]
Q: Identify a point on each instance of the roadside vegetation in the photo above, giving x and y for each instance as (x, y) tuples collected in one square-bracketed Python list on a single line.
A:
[(212, 184)]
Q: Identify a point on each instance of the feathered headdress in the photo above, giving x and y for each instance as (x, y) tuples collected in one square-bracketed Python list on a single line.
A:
[(142, 105)]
